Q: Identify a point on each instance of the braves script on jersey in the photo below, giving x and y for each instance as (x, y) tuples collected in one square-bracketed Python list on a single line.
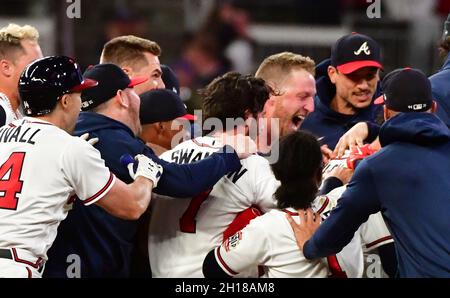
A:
[(183, 231), (42, 168)]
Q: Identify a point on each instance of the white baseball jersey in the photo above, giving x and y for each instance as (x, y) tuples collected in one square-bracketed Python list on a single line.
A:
[(42, 168), (9, 113), (268, 240), (183, 231), (336, 163)]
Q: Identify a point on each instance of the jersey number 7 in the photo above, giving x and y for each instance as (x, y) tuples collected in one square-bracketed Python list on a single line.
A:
[(187, 220), (11, 185)]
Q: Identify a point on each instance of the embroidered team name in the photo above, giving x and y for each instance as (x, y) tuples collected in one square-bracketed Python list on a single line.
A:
[(363, 48), (15, 134)]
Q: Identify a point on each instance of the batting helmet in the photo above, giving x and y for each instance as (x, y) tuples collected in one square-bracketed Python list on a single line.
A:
[(44, 81)]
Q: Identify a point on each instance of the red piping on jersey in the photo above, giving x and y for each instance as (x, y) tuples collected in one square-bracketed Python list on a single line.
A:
[(111, 176), (19, 260), (12, 125), (204, 145), (378, 241), (290, 212), (30, 275), (335, 268), (325, 204), (223, 262)]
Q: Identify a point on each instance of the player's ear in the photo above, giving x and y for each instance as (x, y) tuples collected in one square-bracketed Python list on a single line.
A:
[(269, 106), (122, 98), (160, 127), (127, 70), (6, 68), (64, 100), (332, 74)]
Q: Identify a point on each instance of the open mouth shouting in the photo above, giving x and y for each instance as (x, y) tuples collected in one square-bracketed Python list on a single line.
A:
[(297, 121)]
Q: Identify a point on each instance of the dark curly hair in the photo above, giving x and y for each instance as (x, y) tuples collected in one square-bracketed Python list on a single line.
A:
[(233, 95), (299, 169)]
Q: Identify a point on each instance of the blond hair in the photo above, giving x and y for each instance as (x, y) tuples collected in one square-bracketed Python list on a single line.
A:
[(11, 37), (128, 51), (276, 68)]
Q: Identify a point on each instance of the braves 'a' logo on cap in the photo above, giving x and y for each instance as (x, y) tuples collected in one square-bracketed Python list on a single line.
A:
[(363, 48)]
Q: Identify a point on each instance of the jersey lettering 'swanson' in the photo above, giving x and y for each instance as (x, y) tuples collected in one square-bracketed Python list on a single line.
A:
[(184, 156)]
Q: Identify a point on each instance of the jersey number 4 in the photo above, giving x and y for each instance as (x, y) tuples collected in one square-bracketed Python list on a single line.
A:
[(187, 220), (10, 183)]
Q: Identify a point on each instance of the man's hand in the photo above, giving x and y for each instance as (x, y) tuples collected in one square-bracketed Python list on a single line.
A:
[(146, 168), (243, 145), (309, 223), (92, 141), (343, 174), (326, 153), (355, 136)]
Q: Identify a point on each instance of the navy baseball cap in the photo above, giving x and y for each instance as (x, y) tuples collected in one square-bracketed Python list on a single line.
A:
[(354, 51), (406, 90), (162, 105), (110, 78), (170, 79)]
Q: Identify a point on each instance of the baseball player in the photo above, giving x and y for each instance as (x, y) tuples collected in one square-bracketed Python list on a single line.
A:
[(183, 231), (18, 47), (33, 203), (268, 240)]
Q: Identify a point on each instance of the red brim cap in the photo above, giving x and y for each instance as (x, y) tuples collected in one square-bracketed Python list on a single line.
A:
[(137, 80), (87, 83), (355, 65), (189, 117), (379, 100)]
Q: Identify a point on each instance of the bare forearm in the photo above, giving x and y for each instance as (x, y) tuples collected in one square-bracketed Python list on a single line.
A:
[(141, 190)]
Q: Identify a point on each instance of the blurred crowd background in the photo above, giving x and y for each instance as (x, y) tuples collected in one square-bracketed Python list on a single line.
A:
[(202, 39)]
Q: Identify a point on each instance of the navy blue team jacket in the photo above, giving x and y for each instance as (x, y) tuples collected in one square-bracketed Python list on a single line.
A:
[(102, 242), (327, 123), (440, 86), (407, 180)]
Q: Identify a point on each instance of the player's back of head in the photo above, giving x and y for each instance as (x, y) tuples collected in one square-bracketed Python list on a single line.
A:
[(128, 51), (11, 37), (299, 169), (234, 96), (276, 68)]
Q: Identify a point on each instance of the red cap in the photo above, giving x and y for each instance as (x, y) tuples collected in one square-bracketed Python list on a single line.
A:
[(87, 83), (379, 100), (355, 65), (189, 117), (137, 80)]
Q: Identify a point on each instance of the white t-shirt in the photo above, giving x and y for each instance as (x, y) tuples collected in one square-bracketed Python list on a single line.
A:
[(183, 231), (42, 169)]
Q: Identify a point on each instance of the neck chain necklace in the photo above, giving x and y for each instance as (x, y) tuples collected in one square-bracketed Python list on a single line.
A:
[(16, 114)]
